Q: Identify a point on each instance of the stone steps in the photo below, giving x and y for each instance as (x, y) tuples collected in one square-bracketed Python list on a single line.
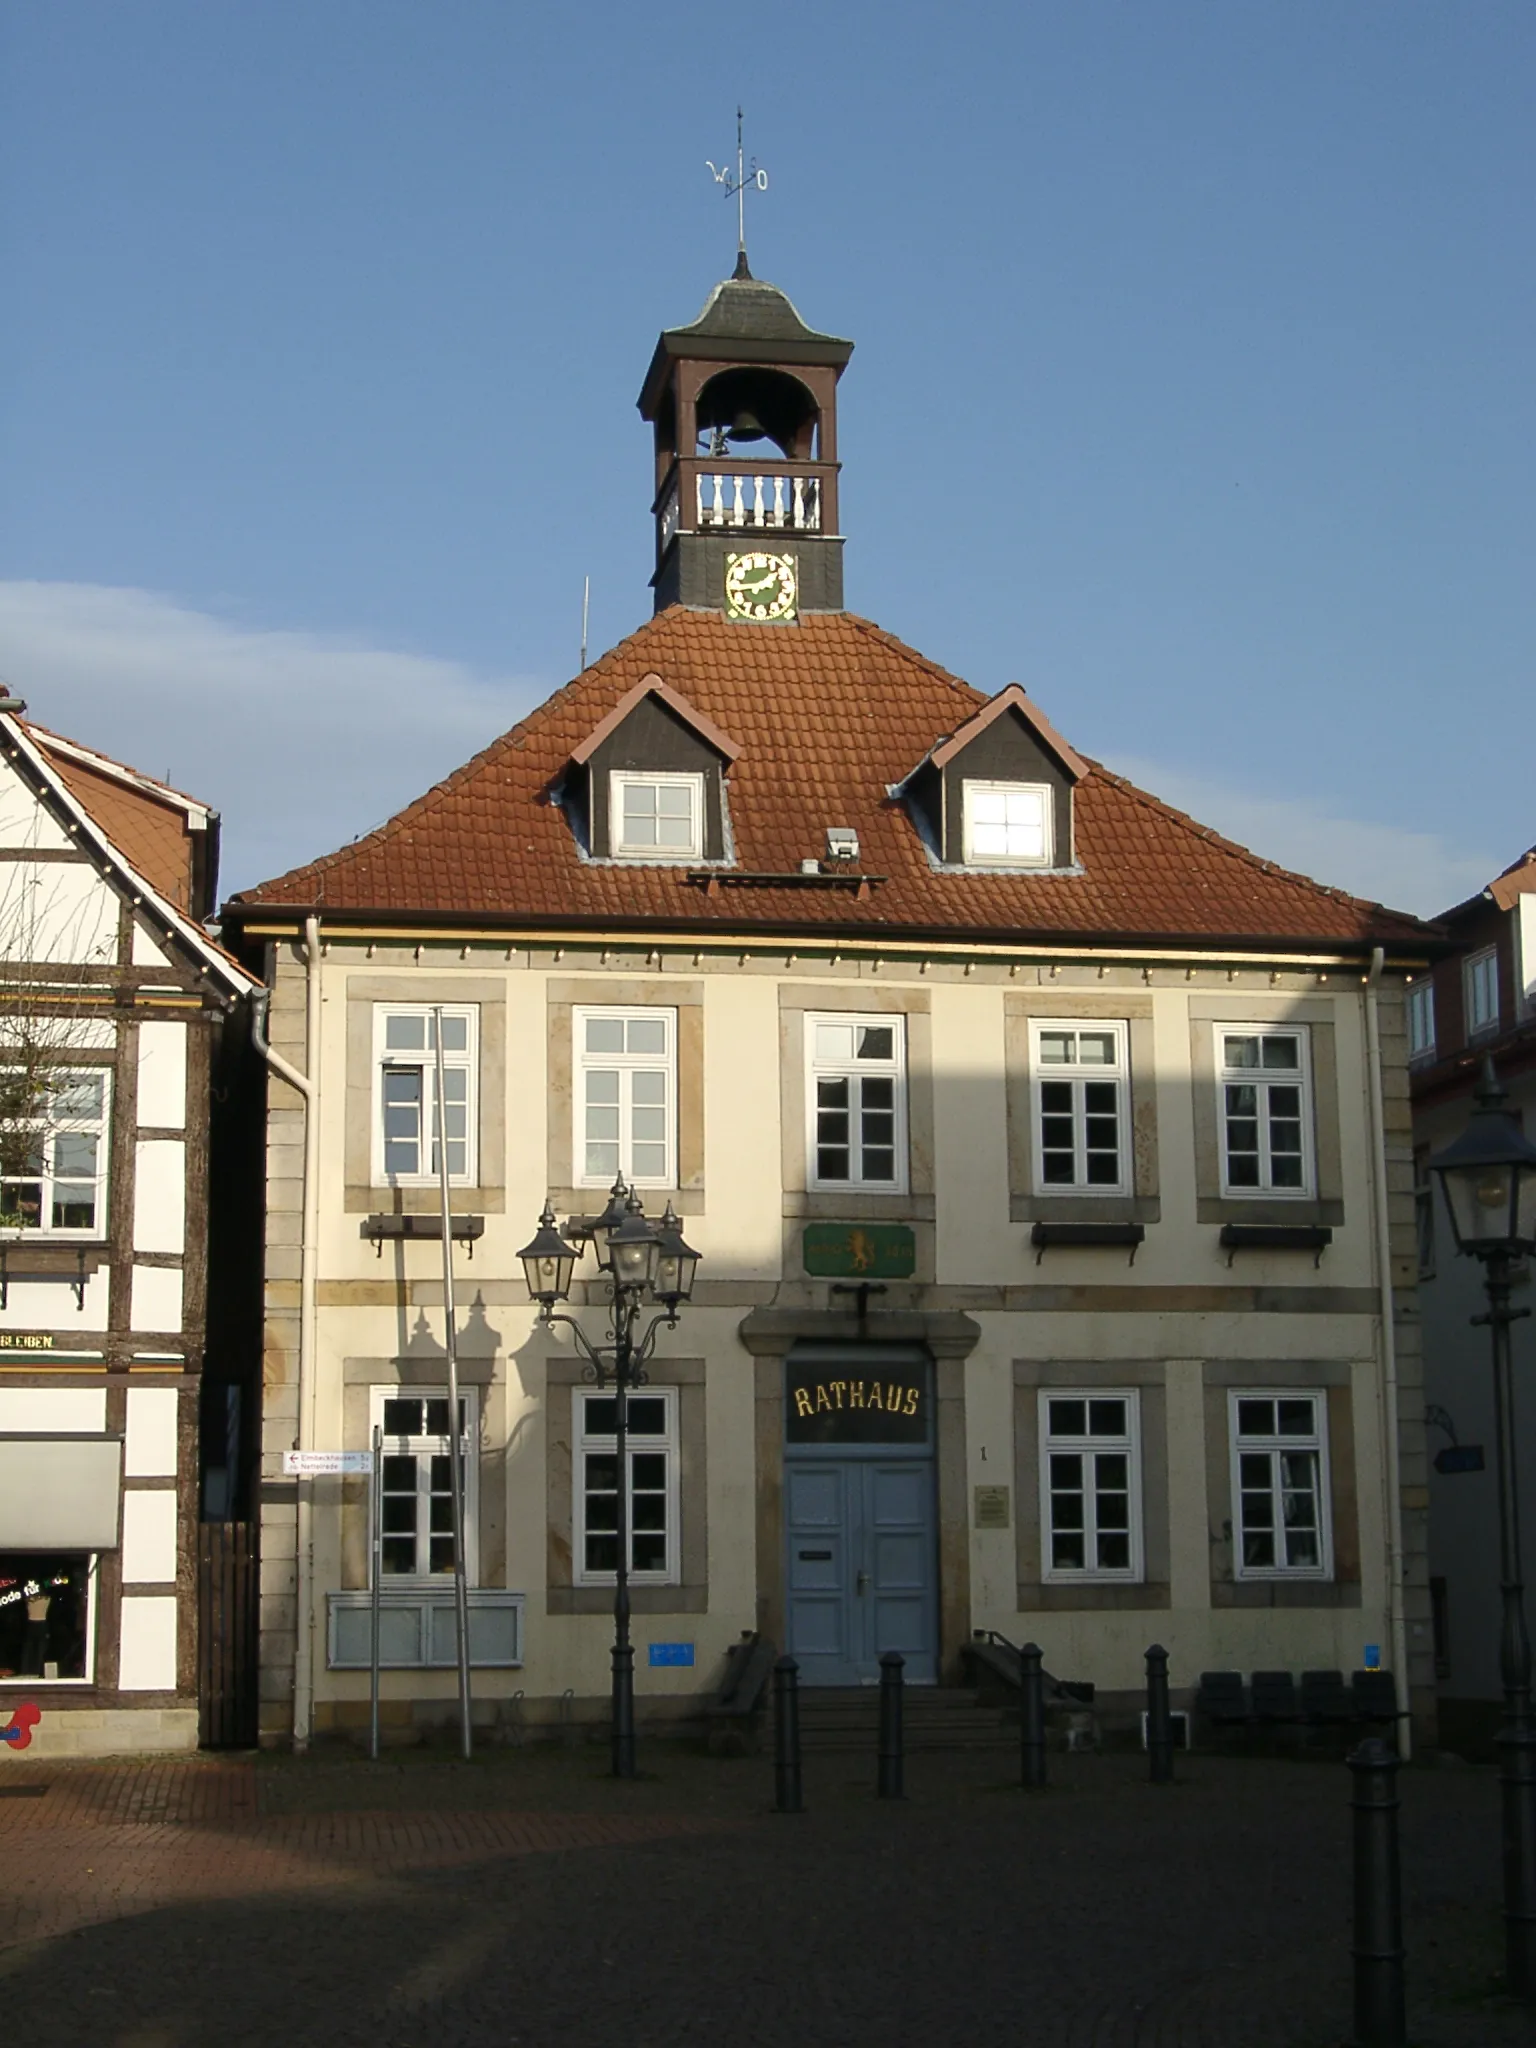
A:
[(933, 1718)]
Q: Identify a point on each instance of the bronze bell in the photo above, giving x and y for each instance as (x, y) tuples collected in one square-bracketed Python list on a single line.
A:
[(747, 427)]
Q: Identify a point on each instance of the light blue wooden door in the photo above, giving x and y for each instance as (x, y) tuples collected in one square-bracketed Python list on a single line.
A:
[(862, 1568)]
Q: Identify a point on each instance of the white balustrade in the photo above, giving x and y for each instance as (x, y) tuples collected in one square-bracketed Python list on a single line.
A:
[(732, 498), (669, 515)]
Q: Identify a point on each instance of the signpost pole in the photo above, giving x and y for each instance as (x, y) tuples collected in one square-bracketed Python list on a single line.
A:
[(376, 1547), (455, 1433)]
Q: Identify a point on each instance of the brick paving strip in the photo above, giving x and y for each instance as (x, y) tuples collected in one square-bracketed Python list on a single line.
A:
[(526, 1900)]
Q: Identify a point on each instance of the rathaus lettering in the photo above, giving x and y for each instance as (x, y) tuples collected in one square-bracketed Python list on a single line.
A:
[(827, 1397)]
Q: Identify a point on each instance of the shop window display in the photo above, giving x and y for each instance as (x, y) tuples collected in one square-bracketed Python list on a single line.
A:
[(44, 1610)]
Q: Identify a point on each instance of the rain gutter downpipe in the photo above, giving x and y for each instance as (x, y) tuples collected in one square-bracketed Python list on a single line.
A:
[(304, 1086), (1391, 1447)]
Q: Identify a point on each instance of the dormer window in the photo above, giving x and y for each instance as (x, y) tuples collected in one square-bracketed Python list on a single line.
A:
[(657, 817), (1008, 823)]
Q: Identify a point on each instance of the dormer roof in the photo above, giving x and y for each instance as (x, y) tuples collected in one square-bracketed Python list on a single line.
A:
[(653, 686), (828, 715), (1013, 699)]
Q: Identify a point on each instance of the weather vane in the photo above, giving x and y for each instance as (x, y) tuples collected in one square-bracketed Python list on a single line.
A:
[(746, 179)]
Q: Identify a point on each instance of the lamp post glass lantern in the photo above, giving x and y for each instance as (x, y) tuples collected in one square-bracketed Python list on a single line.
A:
[(643, 1261), (1488, 1178)]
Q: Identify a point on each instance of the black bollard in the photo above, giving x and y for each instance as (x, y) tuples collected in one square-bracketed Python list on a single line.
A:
[(1031, 1718), (786, 1736), (1378, 1945), (892, 1664), (1159, 1720)]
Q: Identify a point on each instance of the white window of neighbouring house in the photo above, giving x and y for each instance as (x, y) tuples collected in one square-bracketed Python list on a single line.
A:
[(1279, 1486), (53, 1151), (1090, 1486), (405, 1120), (856, 1102), (1266, 1111), (418, 1481), (655, 817), (1079, 1094), (1480, 979), (1007, 822), (651, 1516), (626, 1097), (1421, 1019)]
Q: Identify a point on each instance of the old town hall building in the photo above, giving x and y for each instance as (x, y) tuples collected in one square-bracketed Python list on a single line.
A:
[(1048, 1157)]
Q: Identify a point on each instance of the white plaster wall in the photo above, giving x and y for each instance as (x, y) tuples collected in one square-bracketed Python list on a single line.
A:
[(976, 1241), (149, 1536), (741, 1232), (146, 953), (150, 1449), (23, 821), (40, 1411), (163, 1076), (51, 1305), (159, 1201), (56, 912), (146, 1655), (156, 1298)]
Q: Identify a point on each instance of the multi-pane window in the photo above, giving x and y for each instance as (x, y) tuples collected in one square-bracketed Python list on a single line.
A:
[(1079, 1101), (657, 816), (53, 1152), (1480, 978), (1279, 1475), (857, 1102), (1008, 822), (405, 1092), (626, 1097), (1090, 1506), (1421, 1019), (417, 1473), (1265, 1111), (651, 1501)]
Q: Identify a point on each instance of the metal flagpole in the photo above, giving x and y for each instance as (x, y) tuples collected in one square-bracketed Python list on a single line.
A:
[(376, 1547), (455, 1434)]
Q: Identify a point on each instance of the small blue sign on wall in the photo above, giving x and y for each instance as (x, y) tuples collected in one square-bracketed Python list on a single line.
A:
[(1373, 1656), (670, 1653)]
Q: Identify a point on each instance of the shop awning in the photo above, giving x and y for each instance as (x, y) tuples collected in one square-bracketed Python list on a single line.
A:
[(60, 1492)]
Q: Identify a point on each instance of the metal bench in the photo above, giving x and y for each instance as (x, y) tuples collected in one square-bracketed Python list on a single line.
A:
[(1221, 1699)]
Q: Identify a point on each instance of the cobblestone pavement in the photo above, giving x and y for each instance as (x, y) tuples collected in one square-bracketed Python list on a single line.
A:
[(525, 1899)]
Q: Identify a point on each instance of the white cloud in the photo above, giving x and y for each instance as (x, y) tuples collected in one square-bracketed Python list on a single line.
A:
[(1417, 871), (300, 740)]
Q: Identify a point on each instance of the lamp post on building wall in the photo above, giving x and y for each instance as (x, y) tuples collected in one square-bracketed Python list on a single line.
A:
[(1488, 1176), (643, 1260)]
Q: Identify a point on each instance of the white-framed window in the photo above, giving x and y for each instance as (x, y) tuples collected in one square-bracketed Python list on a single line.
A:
[(1090, 1485), (1008, 822), (1080, 1110), (1480, 979), (856, 1100), (651, 1517), (47, 1618), (1421, 1019), (1280, 1520), (1265, 1091), (405, 1133), (417, 1477), (53, 1159), (656, 817), (626, 1097)]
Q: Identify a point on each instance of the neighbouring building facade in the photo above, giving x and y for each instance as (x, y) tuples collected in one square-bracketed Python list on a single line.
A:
[(1479, 999), (113, 1001), (1049, 1158)]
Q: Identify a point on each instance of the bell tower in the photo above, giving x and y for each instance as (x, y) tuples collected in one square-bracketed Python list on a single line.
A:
[(743, 405)]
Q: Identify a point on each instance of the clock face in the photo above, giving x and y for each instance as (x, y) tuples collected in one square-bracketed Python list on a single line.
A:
[(759, 586)]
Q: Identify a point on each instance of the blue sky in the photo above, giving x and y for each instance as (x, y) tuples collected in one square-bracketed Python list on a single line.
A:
[(1192, 386)]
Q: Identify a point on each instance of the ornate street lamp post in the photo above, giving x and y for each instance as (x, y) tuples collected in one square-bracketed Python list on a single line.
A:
[(643, 1260), (1488, 1176)]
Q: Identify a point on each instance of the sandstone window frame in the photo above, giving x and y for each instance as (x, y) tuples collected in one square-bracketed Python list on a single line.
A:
[(1139, 1200), (1210, 1015), (801, 1201), (564, 996), (430, 1446), (665, 1444), (422, 1061), (625, 1067)]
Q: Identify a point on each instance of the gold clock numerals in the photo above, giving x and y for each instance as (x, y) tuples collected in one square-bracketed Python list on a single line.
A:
[(760, 586)]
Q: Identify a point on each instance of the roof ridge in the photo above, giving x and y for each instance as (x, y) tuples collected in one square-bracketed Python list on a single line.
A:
[(48, 737)]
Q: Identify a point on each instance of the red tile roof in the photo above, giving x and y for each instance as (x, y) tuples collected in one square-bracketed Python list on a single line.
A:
[(147, 821), (828, 713)]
